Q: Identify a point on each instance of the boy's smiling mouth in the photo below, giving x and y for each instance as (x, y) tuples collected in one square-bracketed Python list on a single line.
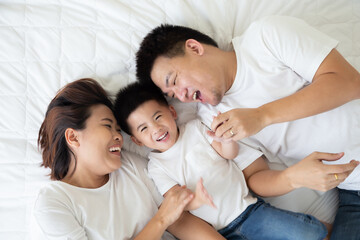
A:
[(162, 136)]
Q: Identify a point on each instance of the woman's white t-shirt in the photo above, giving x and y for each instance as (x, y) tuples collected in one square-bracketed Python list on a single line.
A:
[(118, 210)]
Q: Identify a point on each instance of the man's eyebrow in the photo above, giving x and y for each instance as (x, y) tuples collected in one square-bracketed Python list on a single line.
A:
[(107, 119), (167, 79)]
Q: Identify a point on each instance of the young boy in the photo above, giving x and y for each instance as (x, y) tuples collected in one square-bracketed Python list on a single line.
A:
[(183, 155)]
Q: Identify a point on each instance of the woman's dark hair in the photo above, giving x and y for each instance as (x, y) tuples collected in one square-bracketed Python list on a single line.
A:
[(165, 40), (70, 108), (129, 98)]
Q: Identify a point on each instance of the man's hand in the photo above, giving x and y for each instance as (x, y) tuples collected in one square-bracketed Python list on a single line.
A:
[(238, 123), (312, 173)]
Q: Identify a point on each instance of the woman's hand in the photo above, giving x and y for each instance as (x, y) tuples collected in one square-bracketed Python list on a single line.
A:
[(175, 200)]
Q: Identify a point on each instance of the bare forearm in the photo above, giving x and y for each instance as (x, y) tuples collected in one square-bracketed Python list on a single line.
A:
[(229, 149), (270, 183), (190, 227), (335, 83), (153, 230)]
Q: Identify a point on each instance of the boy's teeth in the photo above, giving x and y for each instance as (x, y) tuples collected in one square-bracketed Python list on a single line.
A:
[(162, 136)]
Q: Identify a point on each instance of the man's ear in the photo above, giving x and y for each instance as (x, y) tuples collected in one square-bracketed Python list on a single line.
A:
[(194, 46), (173, 111), (136, 141), (71, 136)]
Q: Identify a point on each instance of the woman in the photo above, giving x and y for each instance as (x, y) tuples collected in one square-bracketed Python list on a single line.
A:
[(99, 191)]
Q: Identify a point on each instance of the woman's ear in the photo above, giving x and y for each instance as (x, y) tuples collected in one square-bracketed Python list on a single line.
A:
[(71, 136), (194, 46), (136, 141), (173, 111)]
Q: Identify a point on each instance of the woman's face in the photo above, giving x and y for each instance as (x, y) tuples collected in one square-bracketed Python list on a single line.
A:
[(100, 142)]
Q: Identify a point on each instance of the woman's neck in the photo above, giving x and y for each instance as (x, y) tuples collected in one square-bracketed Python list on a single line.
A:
[(85, 179)]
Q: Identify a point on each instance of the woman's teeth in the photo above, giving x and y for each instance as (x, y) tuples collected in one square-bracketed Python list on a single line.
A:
[(115, 149)]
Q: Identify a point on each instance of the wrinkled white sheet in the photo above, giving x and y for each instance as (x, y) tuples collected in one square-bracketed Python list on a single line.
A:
[(45, 44)]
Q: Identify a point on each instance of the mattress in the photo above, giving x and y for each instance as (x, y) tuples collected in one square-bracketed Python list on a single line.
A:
[(45, 44)]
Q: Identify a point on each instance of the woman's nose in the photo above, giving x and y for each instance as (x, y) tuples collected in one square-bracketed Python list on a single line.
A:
[(118, 136)]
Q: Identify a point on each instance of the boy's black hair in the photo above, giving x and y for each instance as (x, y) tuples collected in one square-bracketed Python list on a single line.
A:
[(129, 98), (165, 40)]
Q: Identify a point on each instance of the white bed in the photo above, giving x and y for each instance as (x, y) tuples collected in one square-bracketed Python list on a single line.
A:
[(45, 44)]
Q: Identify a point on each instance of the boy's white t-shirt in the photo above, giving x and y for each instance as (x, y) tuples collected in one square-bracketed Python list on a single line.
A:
[(192, 158), (118, 210), (276, 57)]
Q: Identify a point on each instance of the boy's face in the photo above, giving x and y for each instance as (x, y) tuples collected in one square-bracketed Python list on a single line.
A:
[(154, 126)]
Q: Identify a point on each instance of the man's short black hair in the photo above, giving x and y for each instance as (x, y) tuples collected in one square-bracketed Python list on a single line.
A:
[(165, 40), (129, 98)]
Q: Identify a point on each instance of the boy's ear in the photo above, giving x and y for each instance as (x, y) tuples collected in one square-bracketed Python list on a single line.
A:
[(194, 46), (71, 136), (173, 111), (136, 141)]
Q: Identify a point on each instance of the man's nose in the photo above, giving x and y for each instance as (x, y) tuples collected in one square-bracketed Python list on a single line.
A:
[(180, 93)]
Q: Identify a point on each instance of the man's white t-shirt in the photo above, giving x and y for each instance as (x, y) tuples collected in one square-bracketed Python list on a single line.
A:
[(118, 210), (192, 158), (276, 57)]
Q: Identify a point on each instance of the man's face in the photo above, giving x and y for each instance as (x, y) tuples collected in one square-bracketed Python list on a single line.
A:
[(188, 77)]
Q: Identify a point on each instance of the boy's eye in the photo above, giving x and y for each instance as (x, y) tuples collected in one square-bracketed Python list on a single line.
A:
[(157, 117), (143, 129), (107, 125)]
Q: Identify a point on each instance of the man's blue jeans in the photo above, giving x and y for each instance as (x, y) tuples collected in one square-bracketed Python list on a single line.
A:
[(263, 221), (347, 220)]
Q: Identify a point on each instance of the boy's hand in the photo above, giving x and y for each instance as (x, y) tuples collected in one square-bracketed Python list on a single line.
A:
[(218, 139), (201, 196)]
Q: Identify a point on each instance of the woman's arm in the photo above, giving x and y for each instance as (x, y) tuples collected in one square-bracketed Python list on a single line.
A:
[(171, 216), (169, 212)]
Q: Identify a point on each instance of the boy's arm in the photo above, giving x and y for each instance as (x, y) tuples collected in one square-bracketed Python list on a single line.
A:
[(266, 182), (191, 227), (227, 149)]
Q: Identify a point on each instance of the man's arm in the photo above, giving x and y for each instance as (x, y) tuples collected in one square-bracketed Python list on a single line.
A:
[(309, 172), (335, 83)]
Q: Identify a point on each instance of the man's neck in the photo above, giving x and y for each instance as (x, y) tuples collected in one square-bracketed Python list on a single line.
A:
[(231, 69)]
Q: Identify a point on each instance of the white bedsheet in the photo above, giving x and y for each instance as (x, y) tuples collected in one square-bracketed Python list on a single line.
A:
[(45, 44)]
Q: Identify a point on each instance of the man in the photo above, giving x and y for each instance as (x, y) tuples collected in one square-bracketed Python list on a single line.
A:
[(279, 91)]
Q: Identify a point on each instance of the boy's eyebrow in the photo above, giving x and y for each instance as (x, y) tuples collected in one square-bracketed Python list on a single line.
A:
[(137, 129)]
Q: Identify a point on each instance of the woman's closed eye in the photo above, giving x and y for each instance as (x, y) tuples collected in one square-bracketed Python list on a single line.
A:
[(157, 117), (143, 129)]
